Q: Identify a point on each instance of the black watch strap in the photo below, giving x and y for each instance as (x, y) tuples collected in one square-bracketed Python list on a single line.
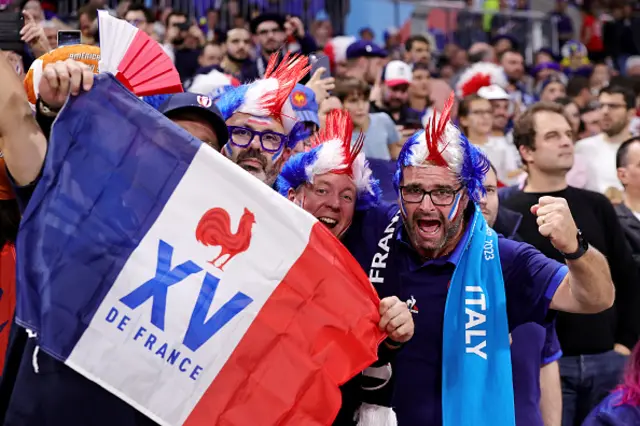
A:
[(583, 245)]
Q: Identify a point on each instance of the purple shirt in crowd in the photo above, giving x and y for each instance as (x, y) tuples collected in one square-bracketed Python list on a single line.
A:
[(530, 278)]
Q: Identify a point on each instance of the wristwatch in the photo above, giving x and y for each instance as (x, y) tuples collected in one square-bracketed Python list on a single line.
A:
[(583, 245)]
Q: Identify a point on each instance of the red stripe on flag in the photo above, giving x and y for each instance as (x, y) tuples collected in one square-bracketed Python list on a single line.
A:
[(318, 329)]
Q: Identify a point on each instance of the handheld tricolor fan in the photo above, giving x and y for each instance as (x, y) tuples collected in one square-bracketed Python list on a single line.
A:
[(135, 59)]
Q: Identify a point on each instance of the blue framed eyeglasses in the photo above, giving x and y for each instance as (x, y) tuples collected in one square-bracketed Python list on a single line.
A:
[(270, 141)]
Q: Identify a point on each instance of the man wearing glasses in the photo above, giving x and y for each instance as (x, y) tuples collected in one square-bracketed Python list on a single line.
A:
[(261, 120), (618, 107), (435, 251)]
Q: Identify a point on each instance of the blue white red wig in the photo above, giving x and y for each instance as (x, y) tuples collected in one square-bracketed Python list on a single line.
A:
[(333, 153), (442, 144), (269, 96), (479, 75)]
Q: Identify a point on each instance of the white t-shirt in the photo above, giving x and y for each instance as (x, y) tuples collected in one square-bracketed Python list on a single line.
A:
[(504, 157), (599, 156)]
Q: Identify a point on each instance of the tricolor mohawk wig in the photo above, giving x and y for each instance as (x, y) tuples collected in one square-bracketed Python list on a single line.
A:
[(442, 144), (480, 75), (269, 96), (333, 153)]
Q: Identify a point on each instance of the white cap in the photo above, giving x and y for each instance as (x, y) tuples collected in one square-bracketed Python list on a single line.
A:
[(206, 83), (396, 73), (493, 93)]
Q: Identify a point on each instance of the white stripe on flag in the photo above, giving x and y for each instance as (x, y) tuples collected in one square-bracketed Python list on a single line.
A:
[(129, 366)]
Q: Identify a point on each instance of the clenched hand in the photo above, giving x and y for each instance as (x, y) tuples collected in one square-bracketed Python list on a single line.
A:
[(396, 320)]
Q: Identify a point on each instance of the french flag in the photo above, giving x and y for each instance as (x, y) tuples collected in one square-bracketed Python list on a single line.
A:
[(155, 267)]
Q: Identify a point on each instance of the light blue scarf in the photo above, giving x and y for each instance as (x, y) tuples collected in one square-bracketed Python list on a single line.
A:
[(477, 386)]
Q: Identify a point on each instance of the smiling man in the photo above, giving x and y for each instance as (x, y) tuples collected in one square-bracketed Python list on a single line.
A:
[(464, 282), (261, 120), (332, 181)]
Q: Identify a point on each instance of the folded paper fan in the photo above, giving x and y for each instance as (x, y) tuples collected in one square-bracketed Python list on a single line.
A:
[(135, 59)]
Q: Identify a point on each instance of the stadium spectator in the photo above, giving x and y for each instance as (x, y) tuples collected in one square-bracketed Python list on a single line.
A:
[(579, 91), (475, 114), (211, 54), (141, 17), (595, 346), (618, 107), (237, 60), (418, 50), (365, 61), (551, 89), (628, 168), (380, 130)]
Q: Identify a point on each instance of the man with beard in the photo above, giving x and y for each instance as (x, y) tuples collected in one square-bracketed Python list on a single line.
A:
[(595, 346), (618, 107), (261, 120), (437, 235), (332, 182), (394, 98), (364, 61), (237, 61), (396, 79), (272, 32), (512, 62)]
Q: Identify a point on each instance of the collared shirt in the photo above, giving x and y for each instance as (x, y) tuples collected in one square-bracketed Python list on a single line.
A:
[(530, 280)]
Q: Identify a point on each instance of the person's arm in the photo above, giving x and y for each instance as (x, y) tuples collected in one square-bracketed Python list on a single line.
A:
[(588, 287), (550, 389), (22, 143), (551, 394)]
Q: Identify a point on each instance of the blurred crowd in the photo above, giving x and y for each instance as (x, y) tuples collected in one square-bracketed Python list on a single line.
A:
[(586, 150)]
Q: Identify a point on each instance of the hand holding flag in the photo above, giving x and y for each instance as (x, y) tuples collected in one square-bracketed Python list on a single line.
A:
[(114, 276)]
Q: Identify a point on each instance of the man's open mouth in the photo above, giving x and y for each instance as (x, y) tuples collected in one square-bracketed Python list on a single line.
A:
[(428, 226), (328, 222)]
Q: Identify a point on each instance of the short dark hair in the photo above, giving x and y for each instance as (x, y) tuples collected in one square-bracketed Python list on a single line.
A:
[(415, 39), (175, 13), (140, 8), (576, 85), (623, 150), (464, 107), (524, 129), (514, 51), (351, 86), (627, 94), (90, 10)]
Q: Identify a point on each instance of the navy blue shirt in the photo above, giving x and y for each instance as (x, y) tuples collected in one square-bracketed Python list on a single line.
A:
[(530, 280), (533, 346)]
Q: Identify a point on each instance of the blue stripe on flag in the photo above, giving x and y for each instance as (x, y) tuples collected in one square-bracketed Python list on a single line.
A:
[(112, 164)]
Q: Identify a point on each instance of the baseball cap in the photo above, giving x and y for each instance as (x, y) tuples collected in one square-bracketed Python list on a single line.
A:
[(201, 105), (365, 49), (493, 93), (303, 102), (396, 73)]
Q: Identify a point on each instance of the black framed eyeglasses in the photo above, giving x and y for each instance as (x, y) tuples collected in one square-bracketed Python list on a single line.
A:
[(270, 141), (441, 197)]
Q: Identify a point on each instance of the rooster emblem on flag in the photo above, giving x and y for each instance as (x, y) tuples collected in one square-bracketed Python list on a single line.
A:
[(214, 229)]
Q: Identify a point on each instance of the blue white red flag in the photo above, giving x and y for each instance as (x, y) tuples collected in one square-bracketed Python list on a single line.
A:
[(155, 267)]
